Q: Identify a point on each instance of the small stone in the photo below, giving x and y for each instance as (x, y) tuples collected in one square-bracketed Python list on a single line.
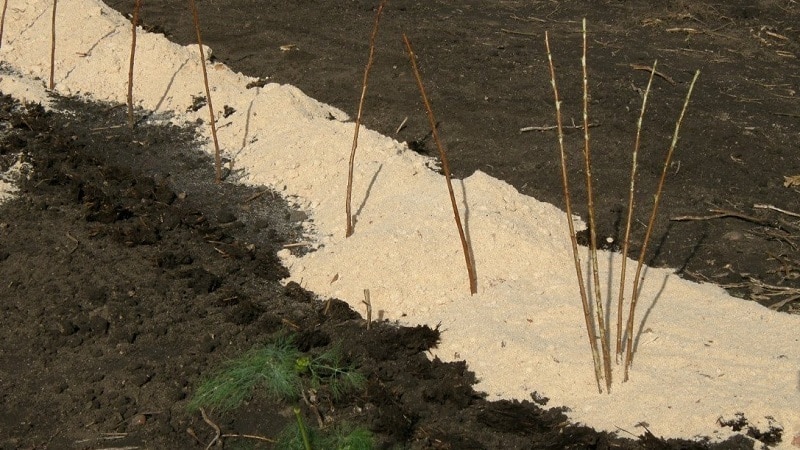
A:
[(297, 216), (138, 420), (226, 216), (66, 327), (140, 379), (733, 236)]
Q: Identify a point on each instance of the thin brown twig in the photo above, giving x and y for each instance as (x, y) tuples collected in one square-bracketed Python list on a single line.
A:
[(723, 213), (313, 407), (368, 302), (217, 156), (134, 22), (370, 60), (788, 265), (255, 196), (780, 235), (587, 158), (650, 225), (751, 282), (3, 21), (298, 244), (53, 46), (720, 214), (684, 30), (568, 202), (629, 221), (217, 431), (781, 303), (401, 126), (555, 127), (190, 431), (775, 208), (248, 436), (291, 324), (652, 71), (528, 19), (520, 33), (473, 279)]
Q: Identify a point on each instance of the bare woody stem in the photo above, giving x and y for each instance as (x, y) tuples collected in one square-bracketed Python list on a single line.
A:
[(370, 60), (590, 331), (217, 156), (587, 158), (473, 279), (53, 46), (368, 303), (629, 221), (134, 22), (656, 200), (3, 21)]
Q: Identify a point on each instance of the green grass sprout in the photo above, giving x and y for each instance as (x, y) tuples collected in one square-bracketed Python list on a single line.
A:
[(330, 369), (282, 371), (271, 367)]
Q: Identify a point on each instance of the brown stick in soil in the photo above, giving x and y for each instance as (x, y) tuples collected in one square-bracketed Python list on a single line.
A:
[(629, 221), (368, 303), (370, 60), (656, 201), (53, 46), (217, 157), (473, 279), (134, 22), (590, 330)]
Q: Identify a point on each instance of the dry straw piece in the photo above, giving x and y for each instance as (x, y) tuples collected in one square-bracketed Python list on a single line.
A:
[(473, 279), (598, 329)]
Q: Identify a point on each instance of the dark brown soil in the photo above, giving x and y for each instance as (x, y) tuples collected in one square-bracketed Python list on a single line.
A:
[(128, 276)]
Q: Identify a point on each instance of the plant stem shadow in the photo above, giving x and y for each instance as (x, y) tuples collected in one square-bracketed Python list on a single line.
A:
[(169, 85), (647, 313), (465, 203), (366, 194)]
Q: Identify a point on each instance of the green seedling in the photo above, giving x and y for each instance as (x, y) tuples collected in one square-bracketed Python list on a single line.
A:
[(282, 371), (330, 370), (301, 427)]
